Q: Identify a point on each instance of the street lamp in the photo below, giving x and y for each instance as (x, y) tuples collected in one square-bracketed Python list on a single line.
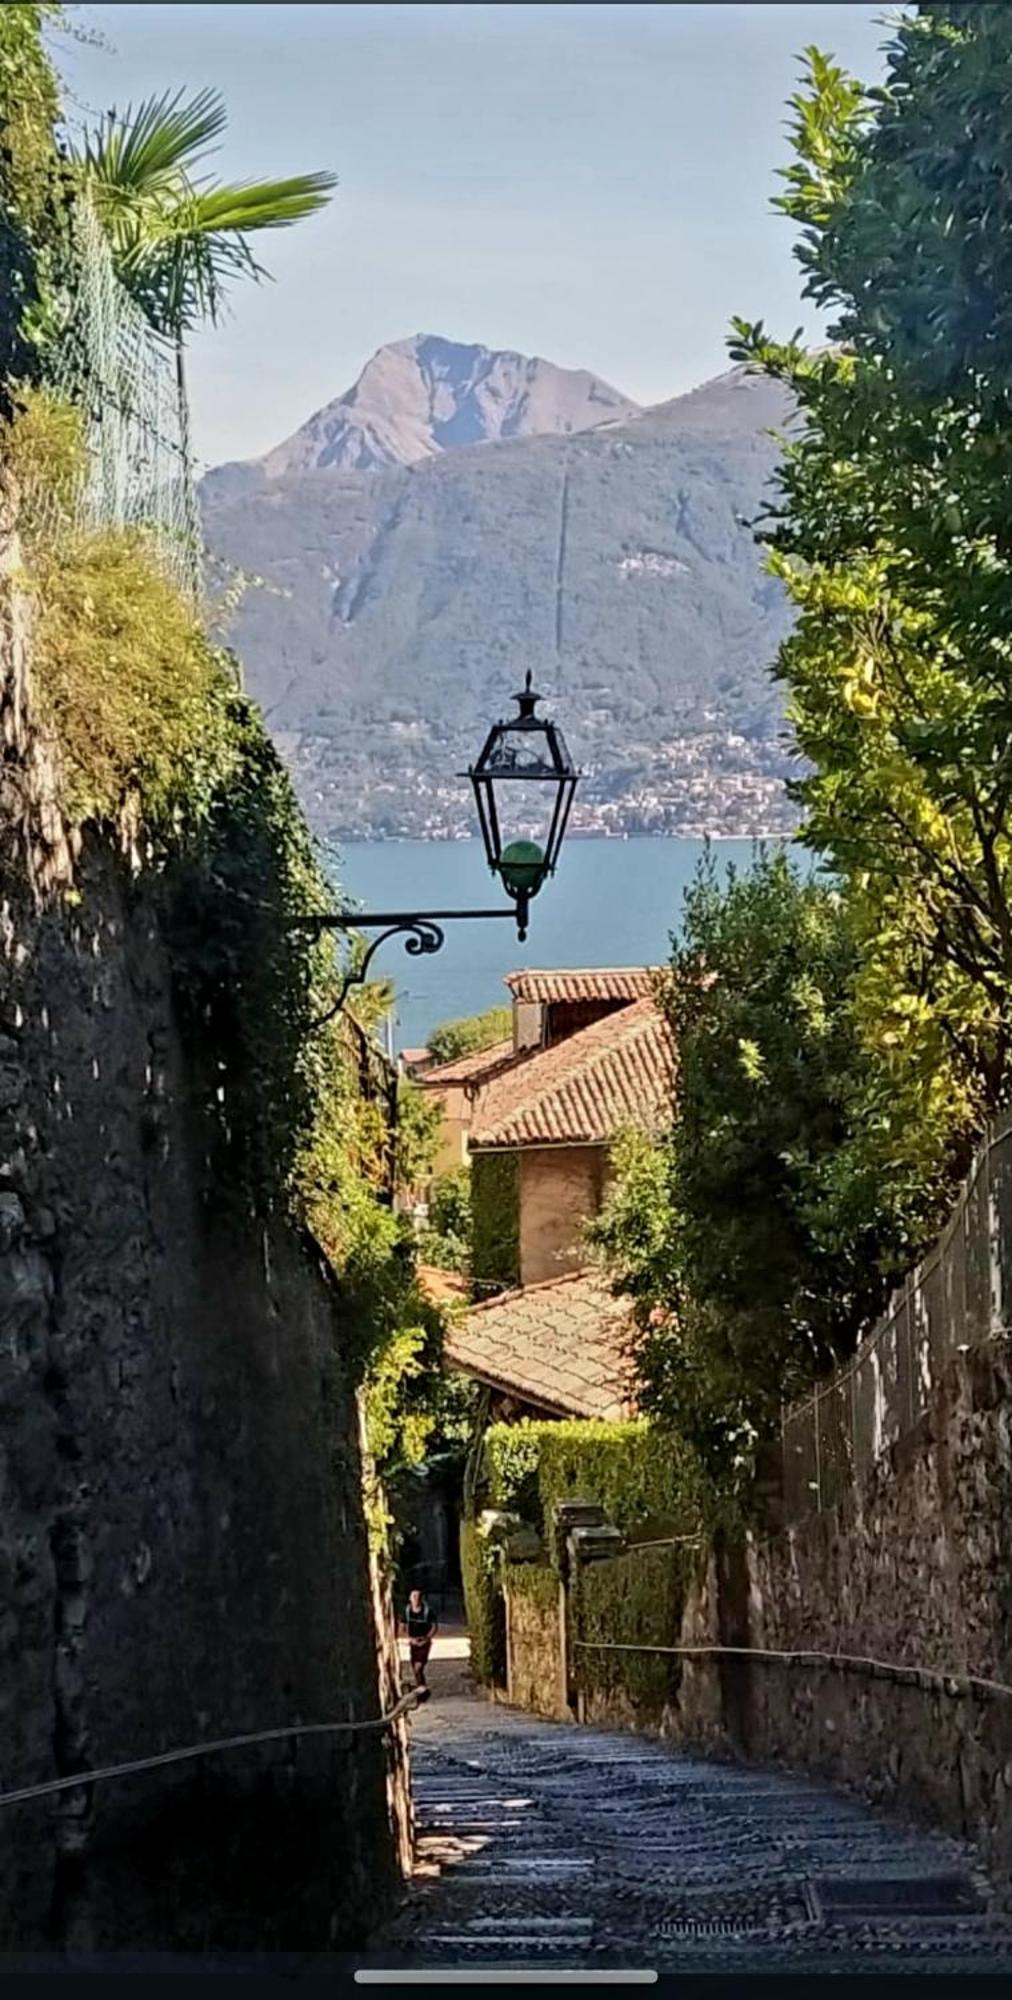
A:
[(524, 776), (524, 782)]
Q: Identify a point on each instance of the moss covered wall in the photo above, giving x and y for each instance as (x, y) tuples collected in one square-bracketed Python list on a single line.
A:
[(182, 1545)]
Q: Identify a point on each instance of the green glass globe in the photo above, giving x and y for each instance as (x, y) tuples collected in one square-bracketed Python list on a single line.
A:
[(521, 866)]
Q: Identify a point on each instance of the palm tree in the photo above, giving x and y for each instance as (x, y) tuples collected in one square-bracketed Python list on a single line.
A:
[(178, 237)]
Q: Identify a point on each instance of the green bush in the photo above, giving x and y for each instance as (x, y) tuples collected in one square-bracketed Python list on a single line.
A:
[(470, 1033), (646, 1479), (495, 1222), (483, 1604), (634, 1600), (446, 1241)]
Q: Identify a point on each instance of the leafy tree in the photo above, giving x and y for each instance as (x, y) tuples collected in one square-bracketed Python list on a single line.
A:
[(758, 1240), (446, 1242), (470, 1034), (892, 535), (417, 1134)]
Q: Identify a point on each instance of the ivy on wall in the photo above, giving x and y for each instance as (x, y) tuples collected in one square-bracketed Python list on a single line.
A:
[(635, 1599), (647, 1480), (495, 1222), (160, 755), (483, 1601), (34, 196)]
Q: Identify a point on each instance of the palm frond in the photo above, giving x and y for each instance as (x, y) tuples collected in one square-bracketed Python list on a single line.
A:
[(145, 151), (175, 240), (250, 205)]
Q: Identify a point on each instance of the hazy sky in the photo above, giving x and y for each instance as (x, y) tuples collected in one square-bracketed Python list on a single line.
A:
[(590, 183)]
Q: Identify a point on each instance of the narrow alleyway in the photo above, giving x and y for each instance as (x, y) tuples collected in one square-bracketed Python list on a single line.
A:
[(551, 1845)]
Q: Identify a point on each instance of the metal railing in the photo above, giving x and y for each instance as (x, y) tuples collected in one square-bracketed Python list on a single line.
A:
[(956, 1298)]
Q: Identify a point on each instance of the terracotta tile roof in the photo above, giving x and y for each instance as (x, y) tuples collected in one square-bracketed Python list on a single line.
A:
[(563, 1345), (616, 1072), (467, 1068), (610, 982)]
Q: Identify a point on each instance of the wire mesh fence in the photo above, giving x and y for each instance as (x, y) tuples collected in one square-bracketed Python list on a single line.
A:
[(959, 1296), (126, 380)]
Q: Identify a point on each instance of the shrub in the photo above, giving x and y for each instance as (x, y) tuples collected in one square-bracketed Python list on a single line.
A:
[(446, 1242), (636, 1599), (483, 1603), (646, 1479), (125, 679), (470, 1033)]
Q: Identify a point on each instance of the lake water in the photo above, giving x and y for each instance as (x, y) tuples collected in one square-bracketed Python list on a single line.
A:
[(611, 902)]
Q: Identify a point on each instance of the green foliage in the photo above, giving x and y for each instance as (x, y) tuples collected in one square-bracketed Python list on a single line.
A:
[(495, 1222), (156, 741), (647, 1479), (759, 1239), (633, 1232), (418, 1123), (891, 534), (635, 1599), (470, 1033), (177, 237), (34, 197), (905, 202), (126, 681), (446, 1241), (483, 1604)]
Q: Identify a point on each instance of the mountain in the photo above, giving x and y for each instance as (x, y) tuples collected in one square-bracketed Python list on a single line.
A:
[(423, 396), (405, 600)]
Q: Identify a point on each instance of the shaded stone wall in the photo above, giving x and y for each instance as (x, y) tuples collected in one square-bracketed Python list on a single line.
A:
[(182, 1545), (912, 1570), (534, 1643)]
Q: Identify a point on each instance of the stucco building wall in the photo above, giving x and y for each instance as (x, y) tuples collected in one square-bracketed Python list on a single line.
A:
[(560, 1187)]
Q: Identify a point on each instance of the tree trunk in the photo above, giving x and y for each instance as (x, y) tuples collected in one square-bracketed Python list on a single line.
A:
[(191, 516)]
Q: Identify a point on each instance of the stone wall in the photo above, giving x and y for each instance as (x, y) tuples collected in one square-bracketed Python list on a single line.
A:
[(183, 1553), (560, 1186), (910, 1571)]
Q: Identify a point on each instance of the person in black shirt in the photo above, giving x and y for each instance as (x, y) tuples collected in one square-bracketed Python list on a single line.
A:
[(420, 1624)]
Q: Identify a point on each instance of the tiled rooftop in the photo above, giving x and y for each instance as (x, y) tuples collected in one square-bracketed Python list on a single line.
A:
[(583, 1090), (563, 1346), (611, 982), (468, 1068)]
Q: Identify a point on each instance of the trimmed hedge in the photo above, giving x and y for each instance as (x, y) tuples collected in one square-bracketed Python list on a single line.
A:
[(635, 1599), (495, 1222), (484, 1607), (647, 1480)]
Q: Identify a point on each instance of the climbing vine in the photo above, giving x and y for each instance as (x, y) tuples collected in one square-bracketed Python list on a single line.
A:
[(160, 754), (495, 1222)]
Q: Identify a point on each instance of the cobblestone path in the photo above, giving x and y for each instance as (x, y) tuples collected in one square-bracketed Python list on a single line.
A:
[(552, 1845)]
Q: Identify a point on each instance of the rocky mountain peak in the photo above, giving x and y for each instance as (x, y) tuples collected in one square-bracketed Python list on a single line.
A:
[(426, 395)]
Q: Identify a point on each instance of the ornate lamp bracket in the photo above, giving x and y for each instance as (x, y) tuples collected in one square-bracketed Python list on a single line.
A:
[(422, 935)]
